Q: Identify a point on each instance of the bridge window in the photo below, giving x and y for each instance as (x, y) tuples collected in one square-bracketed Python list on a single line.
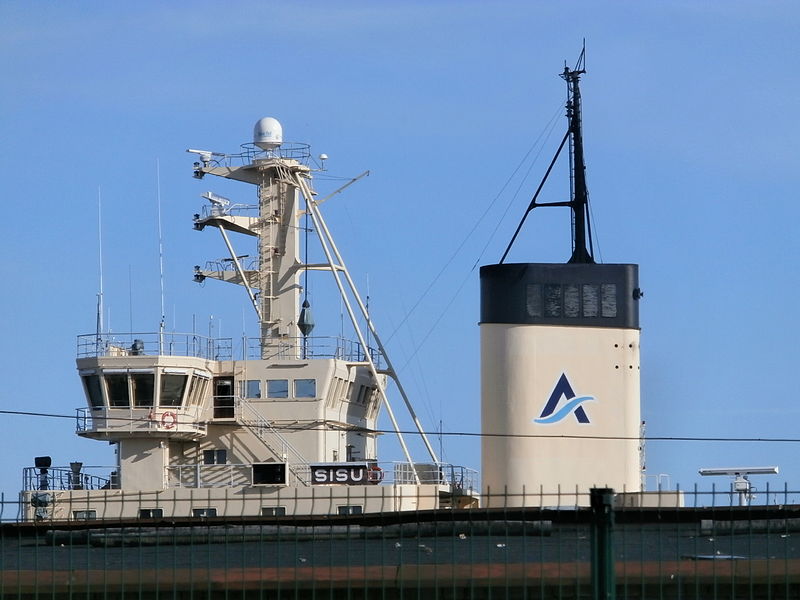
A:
[(93, 391), (305, 388), (197, 390), (143, 388), (277, 388), (151, 513), (172, 388), (118, 392), (204, 512)]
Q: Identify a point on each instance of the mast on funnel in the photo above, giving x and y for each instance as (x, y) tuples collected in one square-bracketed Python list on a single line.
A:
[(579, 195), (579, 202)]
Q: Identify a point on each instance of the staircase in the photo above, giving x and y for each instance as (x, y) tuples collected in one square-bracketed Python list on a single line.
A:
[(278, 445)]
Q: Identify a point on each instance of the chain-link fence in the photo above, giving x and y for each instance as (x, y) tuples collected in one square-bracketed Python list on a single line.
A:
[(690, 545)]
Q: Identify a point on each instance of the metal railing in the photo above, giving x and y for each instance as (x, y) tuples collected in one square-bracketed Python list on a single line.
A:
[(277, 443), (461, 480), (67, 478), (153, 344), (194, 345), (312, 347), (135, 420), (209, 476)]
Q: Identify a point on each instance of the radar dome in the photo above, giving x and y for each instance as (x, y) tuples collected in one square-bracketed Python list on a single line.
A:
[(268, 133)]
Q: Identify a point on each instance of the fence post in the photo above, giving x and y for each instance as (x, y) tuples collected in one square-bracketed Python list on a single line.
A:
[(603, 580)]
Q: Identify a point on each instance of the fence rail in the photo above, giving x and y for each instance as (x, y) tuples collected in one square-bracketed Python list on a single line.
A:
[(704, 552)]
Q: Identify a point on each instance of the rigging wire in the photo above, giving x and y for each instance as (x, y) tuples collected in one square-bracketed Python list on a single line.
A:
[(469, 273), (545, 133), (659, 438)]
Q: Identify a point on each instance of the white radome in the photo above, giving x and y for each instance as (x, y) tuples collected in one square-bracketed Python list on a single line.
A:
[(268, 133)]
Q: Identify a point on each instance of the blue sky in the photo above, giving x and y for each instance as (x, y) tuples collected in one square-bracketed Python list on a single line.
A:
[(691, 133)]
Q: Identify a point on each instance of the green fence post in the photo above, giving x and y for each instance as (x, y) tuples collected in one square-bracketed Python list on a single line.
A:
[(603, 580)]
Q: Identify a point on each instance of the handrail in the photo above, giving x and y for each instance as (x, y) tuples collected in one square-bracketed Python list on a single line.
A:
[(133, 419), (65, 478), (153, 344), (258, 425)]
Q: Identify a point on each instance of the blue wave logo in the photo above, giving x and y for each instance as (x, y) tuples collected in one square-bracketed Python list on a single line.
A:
[(573, 405)]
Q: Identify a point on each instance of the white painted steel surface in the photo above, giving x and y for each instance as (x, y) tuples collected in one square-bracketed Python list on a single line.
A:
[(521, 366)]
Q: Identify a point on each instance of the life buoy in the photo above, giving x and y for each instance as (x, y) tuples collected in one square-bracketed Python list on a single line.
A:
[(169, 419), (375, 474)]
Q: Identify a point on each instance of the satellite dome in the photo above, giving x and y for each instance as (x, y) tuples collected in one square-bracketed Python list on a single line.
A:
[(268, 133)]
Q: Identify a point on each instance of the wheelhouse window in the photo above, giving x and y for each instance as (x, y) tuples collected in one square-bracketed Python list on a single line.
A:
[(204, 512), (277, 388), (117, 389), (251, 388), (197, 390), (143, 385), (305, 388), (151, 513), (172, 388), (93, 390)]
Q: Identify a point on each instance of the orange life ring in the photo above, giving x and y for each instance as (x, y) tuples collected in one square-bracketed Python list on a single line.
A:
[(375, 474), (169, 419)]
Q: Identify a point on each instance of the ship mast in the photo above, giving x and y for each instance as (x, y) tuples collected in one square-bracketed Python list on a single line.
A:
[(579, 194), (579, 202)]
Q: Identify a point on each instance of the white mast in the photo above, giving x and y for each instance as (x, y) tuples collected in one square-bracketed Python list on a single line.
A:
[(100, 308)]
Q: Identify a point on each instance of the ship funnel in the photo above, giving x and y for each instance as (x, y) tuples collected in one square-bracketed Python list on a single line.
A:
[(268, 133)]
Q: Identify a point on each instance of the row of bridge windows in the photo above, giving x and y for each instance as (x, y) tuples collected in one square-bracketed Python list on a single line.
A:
[(171, 388)]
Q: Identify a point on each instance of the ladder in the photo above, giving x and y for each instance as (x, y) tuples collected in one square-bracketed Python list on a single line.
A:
[(278, 445)]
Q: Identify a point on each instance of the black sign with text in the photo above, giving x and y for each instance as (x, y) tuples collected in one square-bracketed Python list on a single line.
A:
[(340, 473)]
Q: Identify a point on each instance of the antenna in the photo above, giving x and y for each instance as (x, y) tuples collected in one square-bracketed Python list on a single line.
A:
[(160, 259), (130, 298), (100, 308)]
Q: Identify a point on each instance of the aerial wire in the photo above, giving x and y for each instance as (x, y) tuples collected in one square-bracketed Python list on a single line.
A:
[(468, 274), (661, 438), (545, 133)]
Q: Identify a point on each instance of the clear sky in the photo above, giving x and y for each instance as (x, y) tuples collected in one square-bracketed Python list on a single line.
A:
[(691, 129)]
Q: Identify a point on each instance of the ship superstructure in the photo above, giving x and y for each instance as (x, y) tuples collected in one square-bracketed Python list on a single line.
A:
[(288, 426)]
